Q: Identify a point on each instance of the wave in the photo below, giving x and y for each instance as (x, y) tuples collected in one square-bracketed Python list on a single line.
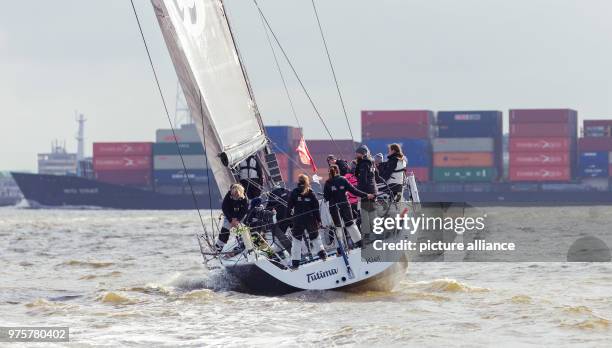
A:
[(115, 298), (91, 264), (448, 285)]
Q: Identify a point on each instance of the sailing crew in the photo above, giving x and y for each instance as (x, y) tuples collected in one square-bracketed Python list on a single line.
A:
[(235, 206), (335, 192), (306, 219), (251, 176), (366, 174), (393, 172), (342, 164), (277, 201)]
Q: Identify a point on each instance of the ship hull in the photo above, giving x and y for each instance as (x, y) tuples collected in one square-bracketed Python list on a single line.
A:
[(70, 191)]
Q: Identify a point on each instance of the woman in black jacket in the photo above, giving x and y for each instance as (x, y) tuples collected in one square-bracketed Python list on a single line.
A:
[(393, 171), (306, 219), (235, 206), (334, 192)]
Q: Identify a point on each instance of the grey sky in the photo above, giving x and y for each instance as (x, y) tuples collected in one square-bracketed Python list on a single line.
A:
[(63, 55)]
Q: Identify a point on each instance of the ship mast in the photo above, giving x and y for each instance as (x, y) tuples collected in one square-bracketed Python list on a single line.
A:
[(80, 118)]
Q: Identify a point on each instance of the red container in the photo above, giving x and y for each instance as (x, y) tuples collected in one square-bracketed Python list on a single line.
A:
[(123, 163), (420, 173), (540, 173), (119, 149), (125, 177), (542, 130), (540, 144), (422, 117), (595, 144), (566, 116), (396, 130), (539, 158), (463, 159), (344, 147)]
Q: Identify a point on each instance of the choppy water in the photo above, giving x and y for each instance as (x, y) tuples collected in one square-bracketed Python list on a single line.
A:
[(121, 278)]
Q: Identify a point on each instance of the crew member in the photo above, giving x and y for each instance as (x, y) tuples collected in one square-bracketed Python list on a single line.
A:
[(335, 192), (352, 199), (251, 176), (342, 164), (277, 200), (235, 207), (306, 219), (366, 174), (393, 172)]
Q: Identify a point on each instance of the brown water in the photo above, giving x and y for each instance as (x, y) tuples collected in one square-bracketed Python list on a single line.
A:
[(120, 278)]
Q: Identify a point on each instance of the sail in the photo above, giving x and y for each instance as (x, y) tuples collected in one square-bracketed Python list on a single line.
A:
[(203, 51)]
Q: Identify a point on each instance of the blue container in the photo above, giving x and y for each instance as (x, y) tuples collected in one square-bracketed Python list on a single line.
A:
[(177, 177), (171, 149), (418, 151), (470, 117), (469, 130), (283, 137), (593, 164)]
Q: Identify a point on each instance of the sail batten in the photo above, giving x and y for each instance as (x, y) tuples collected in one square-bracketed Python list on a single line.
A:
[(208, 65)]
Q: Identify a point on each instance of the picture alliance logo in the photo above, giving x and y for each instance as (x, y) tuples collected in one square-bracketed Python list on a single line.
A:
[(414, 224)]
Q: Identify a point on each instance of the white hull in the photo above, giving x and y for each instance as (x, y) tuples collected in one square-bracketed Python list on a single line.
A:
[(263, 277)]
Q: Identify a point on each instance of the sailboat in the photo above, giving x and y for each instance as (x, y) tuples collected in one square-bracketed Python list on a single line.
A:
[(203, 49)]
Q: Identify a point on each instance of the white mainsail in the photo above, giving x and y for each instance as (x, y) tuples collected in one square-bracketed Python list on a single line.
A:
[(203, 51)]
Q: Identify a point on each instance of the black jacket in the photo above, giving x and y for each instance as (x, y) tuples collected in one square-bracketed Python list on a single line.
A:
[(336, 188), (259, 218), (389, 167), (366, 174), (305, 207), (234, 208), (278, 200)]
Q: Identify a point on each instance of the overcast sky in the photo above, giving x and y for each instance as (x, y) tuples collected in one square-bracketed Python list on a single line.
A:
[(65, 55)]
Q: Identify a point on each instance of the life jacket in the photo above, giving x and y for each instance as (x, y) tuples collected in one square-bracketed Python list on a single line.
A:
[(248, 169), (397, 176), (353, 180)]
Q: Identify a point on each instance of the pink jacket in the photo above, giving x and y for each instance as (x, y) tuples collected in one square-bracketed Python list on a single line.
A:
[(353, 180)]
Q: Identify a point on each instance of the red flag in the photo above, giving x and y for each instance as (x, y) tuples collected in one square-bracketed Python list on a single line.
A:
[(305, 156)]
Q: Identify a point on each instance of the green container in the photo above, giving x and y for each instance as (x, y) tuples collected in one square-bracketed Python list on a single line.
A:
[(170, 149), (463, 174)]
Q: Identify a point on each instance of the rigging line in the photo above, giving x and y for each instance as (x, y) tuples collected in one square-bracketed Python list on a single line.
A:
[(280, 72), (212, 218), (312, 103), (161, 94), (331, 65)]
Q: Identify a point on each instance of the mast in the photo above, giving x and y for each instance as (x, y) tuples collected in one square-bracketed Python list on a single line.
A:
[(80, 118)]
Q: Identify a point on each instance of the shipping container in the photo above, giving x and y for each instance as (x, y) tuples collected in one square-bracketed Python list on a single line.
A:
[(539, 158), (540, 144), (565, 116), (596, 158), (284, 138), (542, 130), (594, 144), (421, 174), (186, 134), (597, 123), (370, 117), (474, 118), (172, 149), (540, 173), (593, 171), (463, 159), (467, 130), (463, 145), (140, 178), (123, 163), (405, 130), (120, 149), (178, 177), (175, 162), (464, 174), (417, 151)]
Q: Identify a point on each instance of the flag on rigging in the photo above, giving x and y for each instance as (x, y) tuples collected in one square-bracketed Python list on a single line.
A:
[(305, 156)]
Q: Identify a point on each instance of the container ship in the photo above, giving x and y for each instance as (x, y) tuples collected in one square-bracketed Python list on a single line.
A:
[(456, 156), (125, 175)]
